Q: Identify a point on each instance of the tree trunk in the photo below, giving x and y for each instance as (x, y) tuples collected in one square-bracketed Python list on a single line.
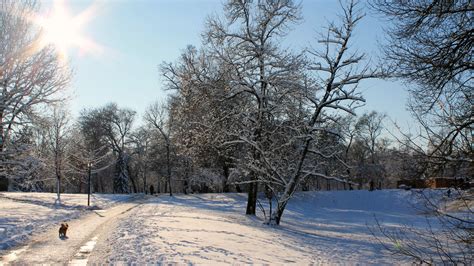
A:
[(291, 186), (185, 187), (253, 186), (3, 176), (279, 213), (168, 162), (134, 186), (132, 179), (101, 183), (144, 180), (58, 189), (225, 185), (252, 198), (262, 105), (121, 176), (80, 185)]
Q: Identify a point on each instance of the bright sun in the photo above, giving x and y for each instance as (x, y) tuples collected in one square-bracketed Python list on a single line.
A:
[(65, 31)]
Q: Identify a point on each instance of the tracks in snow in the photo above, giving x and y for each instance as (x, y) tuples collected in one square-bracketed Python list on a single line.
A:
[(83, 233)]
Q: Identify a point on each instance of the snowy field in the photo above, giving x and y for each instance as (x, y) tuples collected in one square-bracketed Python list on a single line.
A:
[(330, 227), (23, 214), (318, 227)]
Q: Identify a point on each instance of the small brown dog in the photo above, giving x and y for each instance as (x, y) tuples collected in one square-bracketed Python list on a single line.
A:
[(63, 230)]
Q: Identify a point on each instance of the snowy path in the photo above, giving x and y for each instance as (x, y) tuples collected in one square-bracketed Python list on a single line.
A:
[(25, 214), (47, 248)]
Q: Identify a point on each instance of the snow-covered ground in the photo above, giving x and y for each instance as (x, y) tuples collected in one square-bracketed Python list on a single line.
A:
[(330, 227), (23, 214), (317, 227)]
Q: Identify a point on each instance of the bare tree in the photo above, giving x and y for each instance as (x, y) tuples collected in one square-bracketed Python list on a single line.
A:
[(247, 41), (430, 44), (367, 148), (30, 75), (156, 117), (58, 131), (337, 74), (369, 127), (27, 160), (85, 159), (202, 115), (141, 141), (113, 126), (348, 132)]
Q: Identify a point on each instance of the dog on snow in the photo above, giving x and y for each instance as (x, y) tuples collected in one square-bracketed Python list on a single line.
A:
[(63, 230)]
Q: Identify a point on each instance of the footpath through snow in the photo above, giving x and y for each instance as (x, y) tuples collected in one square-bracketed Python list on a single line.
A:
[(23, 214), (31, 217)]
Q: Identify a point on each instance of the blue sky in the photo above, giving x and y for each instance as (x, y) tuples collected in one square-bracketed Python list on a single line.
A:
[(138, 35)]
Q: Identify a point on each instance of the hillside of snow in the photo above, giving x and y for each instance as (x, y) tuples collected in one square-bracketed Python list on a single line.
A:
[(317, 227)]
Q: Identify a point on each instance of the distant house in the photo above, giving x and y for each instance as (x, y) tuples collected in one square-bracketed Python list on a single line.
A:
[(434, 182), (445, 182)]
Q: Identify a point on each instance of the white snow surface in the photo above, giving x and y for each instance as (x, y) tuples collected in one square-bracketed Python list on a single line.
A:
[(24, 214), (330, 227)]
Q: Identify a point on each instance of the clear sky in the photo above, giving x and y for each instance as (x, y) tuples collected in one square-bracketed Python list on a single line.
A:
[(138, 35)]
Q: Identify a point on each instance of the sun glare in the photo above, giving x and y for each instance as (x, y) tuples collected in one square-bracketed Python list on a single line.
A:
[(65, 31)]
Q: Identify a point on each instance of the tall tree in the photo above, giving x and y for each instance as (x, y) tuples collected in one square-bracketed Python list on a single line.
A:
[(202, 114), (369, 127), (30, 74), (334, 76), (247, 40), (112, 125), (58, 130), (141, 140), (156, 117), (84, 159), (367, 149), (27, 167)]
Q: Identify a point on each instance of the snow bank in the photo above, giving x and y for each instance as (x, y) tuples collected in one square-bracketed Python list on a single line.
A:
[(356, 206)]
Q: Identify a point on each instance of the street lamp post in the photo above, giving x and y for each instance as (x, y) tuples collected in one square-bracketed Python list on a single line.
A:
[(89, 185)]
